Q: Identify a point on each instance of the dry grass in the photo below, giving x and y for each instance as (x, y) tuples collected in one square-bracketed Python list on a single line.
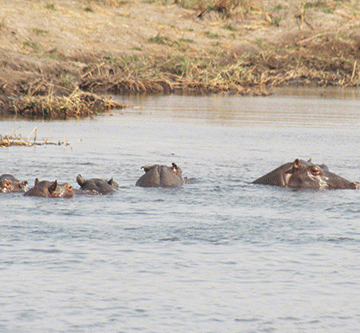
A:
[(172, 75), (229, 73), (78, 104), (212, 46), (226, 7)]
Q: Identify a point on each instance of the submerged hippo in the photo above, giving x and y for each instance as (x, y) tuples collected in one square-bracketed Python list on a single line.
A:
[(8, 184), (96, 185), (50, 189), (304, 174), (161, 176), (85, 192)]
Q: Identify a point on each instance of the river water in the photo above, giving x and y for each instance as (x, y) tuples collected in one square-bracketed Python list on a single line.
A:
[(218, 255)]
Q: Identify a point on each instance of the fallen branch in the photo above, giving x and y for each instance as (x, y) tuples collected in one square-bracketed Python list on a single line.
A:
[(16, 140)]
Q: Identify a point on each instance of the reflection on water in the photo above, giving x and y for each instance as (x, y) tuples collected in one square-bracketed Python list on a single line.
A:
[(221, 254), (309, 107)]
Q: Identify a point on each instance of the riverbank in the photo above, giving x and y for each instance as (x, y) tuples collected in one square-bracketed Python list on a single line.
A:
[(56, 50)]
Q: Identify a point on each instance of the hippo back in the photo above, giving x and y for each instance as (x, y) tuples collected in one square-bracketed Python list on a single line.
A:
[(277, 177), (160, 176)]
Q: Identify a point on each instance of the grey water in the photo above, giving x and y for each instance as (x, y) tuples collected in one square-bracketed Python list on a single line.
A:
[(218, 255)]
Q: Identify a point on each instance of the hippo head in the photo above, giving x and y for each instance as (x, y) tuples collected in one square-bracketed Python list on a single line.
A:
[(308, 175), (50, 189), (9, 183), (60, 190), (97, 185), (6, 185), (305, 174)]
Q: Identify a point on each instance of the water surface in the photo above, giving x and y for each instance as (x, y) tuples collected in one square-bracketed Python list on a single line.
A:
[(221, 254)]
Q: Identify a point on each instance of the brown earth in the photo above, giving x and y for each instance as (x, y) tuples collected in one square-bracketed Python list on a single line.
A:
[(58, 49)]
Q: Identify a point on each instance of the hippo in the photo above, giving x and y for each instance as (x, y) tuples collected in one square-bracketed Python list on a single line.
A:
[(50, 189), (8, 184), (96, 185), (85, 192), (161, 176), (305, 174)]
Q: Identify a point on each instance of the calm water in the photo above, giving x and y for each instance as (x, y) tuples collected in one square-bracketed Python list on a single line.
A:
[(220, 255)]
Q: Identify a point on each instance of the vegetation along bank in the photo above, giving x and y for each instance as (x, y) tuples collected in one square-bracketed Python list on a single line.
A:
[(58, 57)]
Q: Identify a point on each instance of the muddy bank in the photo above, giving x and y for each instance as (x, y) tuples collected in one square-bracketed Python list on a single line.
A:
[(55, 51)]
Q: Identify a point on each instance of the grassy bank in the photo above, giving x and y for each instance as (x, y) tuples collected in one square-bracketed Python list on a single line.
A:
[(49, 50)]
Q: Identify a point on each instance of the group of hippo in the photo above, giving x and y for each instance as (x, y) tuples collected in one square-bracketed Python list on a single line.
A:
[(297, 174)]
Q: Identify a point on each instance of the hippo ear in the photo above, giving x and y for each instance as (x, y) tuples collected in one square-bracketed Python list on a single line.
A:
[(324, 167), (296, 164), (146, 168), (80, 180), (23, 183), (52, 187), (175, 169)]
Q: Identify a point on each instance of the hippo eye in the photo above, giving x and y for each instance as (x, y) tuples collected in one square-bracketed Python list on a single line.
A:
[(315, 171)]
